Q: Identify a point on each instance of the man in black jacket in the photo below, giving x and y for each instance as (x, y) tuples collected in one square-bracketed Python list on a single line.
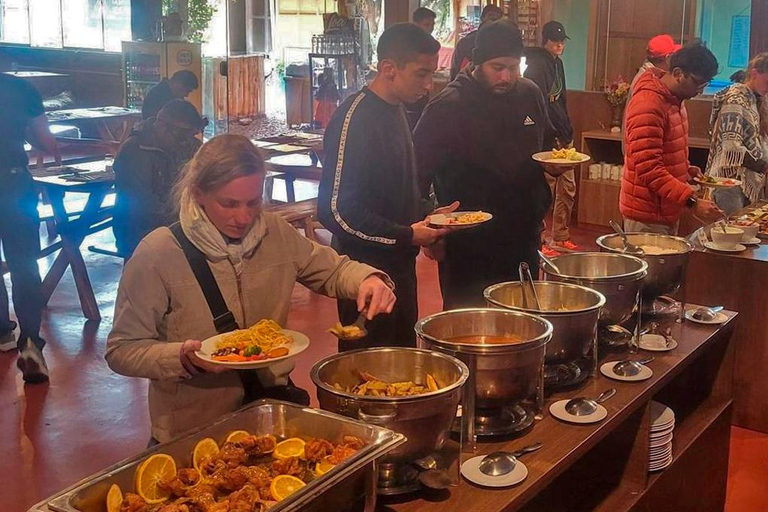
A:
[(146, 168), (545, 67), (180, 85), (369, 196), (462, 54), (474, 144)]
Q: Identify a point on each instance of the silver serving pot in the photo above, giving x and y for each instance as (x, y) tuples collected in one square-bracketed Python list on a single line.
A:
[(502, 374), (666, 272), (425, 419), (618, 277), (572, 310)]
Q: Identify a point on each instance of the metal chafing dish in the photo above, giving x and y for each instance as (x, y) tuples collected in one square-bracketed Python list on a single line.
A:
[(573, 311), (425, 419), (505, 388), (666, 272), (348, 483)]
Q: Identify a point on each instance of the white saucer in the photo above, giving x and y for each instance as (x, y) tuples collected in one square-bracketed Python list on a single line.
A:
[(607, 370), (720, 318), (660, 452), (658, 466), (661, 415), (661, 441), (557, 410), (715, 247), (656, 343), (754, 241), (657, 432), (471, 471)]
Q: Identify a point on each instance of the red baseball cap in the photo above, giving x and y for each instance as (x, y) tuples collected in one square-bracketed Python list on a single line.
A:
[(661, 46)]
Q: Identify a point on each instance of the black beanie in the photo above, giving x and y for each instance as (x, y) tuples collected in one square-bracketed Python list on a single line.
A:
[(497, 39)]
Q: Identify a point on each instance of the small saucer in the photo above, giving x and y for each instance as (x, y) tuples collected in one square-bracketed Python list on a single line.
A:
[(754, 241), (607, 370), (656, 343), (557, 410), (715, 247), (719, 318), (471, 471)]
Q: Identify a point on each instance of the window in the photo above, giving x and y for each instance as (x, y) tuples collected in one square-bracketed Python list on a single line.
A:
[(98, 24)]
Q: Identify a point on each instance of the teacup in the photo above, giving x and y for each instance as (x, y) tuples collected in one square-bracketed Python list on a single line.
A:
[(750, 231), (727, 237)]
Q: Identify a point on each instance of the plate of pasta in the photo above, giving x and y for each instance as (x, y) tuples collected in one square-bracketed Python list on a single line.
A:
[(258, 346), (568, 157), (459, 220)]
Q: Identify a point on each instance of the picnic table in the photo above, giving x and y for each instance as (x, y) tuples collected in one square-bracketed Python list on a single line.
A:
[(99, 116), (95, 180), (295, 155)]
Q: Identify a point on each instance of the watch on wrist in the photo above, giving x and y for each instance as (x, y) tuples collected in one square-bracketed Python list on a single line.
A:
[(691, 202)]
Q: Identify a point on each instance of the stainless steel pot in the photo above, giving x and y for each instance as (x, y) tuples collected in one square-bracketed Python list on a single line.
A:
[(572, 310), (425, 420), (618, 277), (666, 272), (503, 375)]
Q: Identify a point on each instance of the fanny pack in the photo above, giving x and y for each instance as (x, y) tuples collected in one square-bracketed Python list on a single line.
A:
[(224, 321)]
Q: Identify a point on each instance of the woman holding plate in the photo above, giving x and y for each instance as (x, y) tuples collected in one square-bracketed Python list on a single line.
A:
[(168, 300)]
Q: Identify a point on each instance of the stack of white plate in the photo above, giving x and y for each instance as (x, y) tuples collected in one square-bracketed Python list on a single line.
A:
[(662, 425)]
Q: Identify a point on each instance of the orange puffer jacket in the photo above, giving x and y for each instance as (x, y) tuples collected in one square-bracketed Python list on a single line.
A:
[(656, 165)]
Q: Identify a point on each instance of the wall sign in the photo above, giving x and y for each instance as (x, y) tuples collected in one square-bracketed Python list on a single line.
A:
[(738, 56), (184, 58)]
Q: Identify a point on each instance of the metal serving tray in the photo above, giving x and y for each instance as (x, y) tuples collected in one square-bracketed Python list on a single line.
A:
[(351, 481)]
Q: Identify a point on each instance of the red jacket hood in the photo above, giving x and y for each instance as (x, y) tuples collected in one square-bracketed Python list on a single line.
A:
[(651, 81)]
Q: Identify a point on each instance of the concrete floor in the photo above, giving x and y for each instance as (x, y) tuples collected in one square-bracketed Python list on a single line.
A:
[(88, 418)]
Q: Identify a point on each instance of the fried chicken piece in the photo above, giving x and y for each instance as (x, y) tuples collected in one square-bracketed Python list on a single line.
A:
[(316, 449), (133, 503), (233, 479), (244, 500), (353, 442), (258, 445), (202, 489), (180, 484), (341, 453), (232, 454), (205, 502), (174, 507), (291, 466)]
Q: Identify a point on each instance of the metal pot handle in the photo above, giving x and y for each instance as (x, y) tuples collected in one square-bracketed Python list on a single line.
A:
[(376, 419)]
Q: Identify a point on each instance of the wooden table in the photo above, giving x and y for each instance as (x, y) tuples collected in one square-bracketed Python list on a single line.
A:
[(73, 230), (99, 116), (603, 467), (739, 281)]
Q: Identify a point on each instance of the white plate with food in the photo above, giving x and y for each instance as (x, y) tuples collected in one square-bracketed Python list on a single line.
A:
[(562, 157), (720, 318), (715, 182), (459, 220), (259, 346)]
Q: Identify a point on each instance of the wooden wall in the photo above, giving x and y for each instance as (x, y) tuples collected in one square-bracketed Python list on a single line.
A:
[(758, 34)]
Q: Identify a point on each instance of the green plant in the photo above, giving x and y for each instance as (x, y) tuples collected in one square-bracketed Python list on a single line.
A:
[(200, 15)]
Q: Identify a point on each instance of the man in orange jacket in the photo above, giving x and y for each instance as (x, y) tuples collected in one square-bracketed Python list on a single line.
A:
[(655, 189)]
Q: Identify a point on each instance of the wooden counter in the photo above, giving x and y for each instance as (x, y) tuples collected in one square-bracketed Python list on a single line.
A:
[(603, 466), (739, 282)]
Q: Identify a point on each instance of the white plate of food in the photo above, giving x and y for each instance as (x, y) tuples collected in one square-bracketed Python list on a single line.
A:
[(259, 346), (459, 220), (715, 182), (562, 157)]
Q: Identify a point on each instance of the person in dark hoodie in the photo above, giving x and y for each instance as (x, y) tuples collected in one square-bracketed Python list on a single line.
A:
[(146, 168), (462, 54), (474, 145), (369, 195), (545, 67)]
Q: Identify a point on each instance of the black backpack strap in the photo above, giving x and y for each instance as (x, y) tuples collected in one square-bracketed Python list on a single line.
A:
[(223, 319)]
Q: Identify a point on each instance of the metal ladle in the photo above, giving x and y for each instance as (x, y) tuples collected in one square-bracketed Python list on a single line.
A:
[(549, 262), (628, 247), (706, 314), (501, 463), (583, 406), (628, 368)]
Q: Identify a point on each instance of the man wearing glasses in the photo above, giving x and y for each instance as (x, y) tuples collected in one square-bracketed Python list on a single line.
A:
[(655, 190)]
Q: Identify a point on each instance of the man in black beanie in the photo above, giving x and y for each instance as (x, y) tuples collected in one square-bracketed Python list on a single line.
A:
[(474, 144)]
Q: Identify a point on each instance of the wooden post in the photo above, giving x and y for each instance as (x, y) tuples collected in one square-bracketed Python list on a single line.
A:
[(758, 35)]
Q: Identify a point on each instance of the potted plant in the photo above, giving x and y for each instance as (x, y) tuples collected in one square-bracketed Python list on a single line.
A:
[(616, 93)]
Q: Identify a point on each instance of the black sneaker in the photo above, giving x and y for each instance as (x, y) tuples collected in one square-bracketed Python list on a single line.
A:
[(32, 363)]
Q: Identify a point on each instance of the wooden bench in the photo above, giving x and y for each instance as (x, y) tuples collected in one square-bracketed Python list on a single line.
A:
[(301, 214)]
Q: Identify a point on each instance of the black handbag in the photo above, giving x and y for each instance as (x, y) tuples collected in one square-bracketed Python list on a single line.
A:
[(224, 321)]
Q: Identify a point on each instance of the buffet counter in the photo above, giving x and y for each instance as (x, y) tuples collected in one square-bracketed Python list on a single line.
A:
[(604, 466), (738, 281)]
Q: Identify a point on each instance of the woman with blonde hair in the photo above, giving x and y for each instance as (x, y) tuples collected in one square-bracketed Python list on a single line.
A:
[(224, 265), (739, 148)]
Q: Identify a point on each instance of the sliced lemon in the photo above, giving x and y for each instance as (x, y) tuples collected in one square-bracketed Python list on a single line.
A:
[(236, 436), (292, 447), (285, 485), (324, 466), (152, 471), (204, 449), (114, 499)]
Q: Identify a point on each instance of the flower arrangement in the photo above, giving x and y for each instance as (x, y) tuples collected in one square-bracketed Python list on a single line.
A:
[(616, 92)]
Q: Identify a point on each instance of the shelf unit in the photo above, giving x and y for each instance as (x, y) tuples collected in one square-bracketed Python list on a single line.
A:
[(599, 199)]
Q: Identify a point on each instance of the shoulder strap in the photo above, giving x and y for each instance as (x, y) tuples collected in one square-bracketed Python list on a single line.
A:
[(223, 318)]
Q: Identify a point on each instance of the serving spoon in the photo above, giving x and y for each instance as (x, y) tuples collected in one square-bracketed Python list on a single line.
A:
[(549, 262), (628, 247)]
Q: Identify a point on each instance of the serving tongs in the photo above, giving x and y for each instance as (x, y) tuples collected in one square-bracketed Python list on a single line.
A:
[(528, 287)]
